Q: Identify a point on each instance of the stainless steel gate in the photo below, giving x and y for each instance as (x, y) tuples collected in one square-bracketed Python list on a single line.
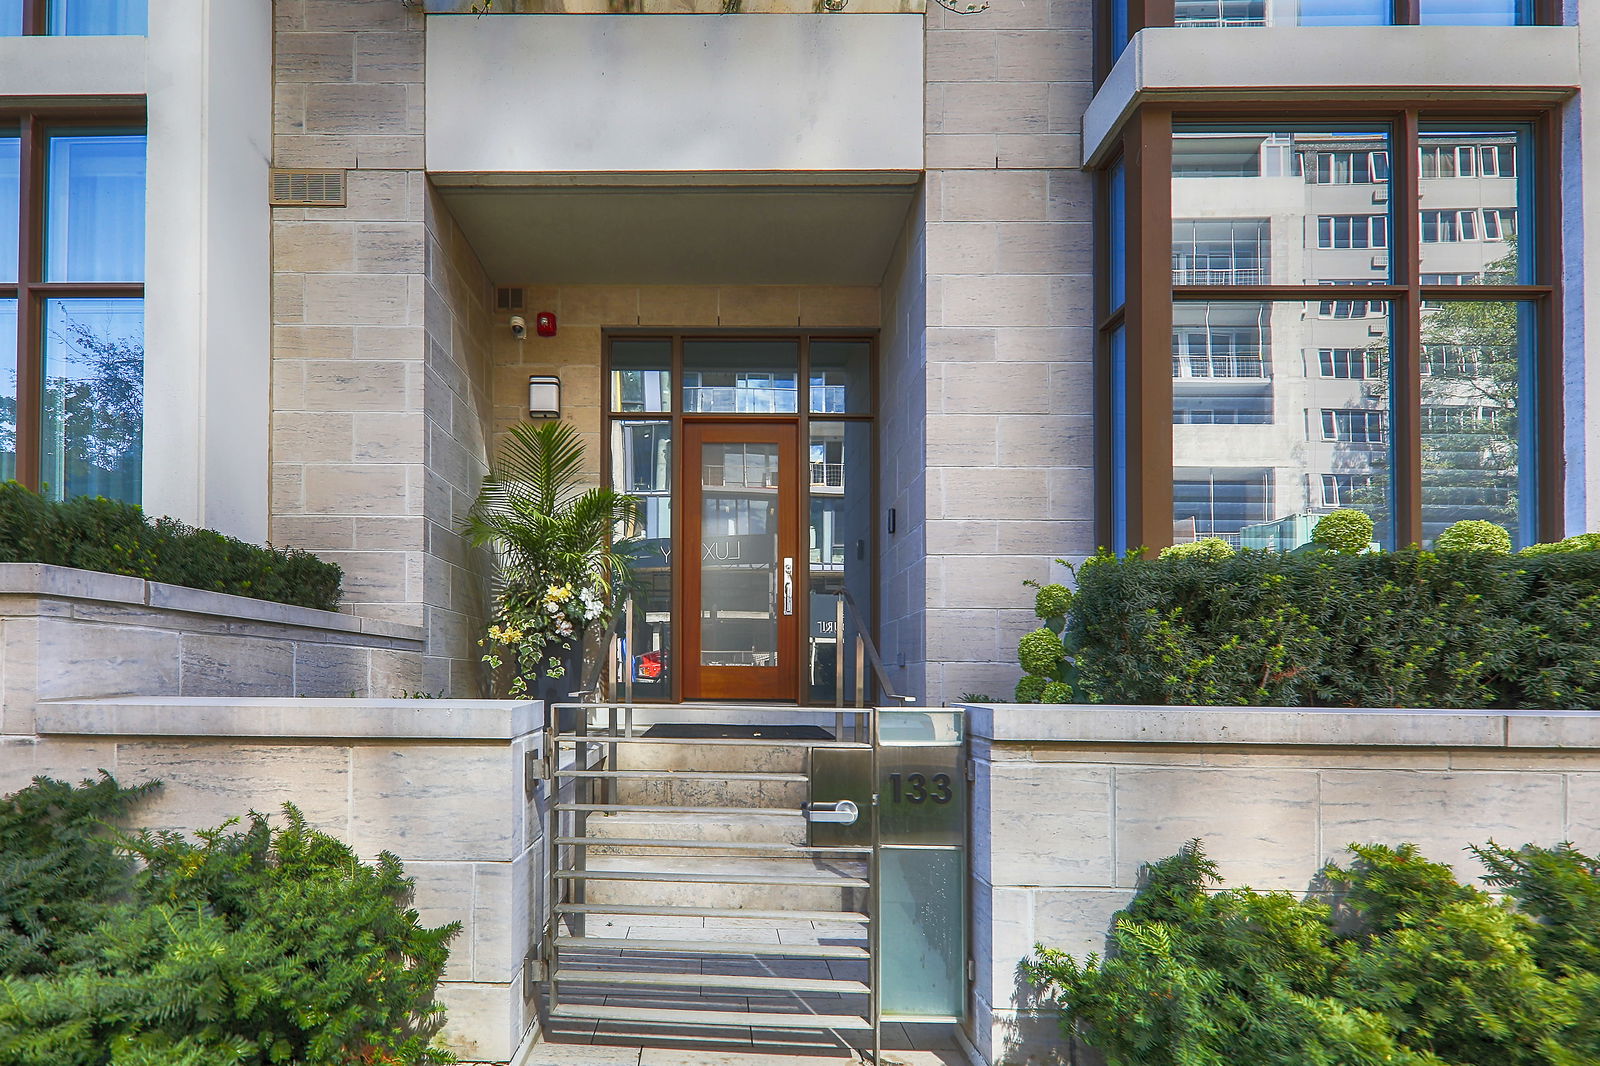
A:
[(718, 867)]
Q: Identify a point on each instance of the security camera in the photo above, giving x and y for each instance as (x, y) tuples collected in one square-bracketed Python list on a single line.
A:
[(519, 328)]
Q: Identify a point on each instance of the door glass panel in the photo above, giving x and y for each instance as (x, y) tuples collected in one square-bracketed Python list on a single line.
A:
[(740, 377), (839, 550), (739, 567), (641, 375), (841, 377), (641, 466)]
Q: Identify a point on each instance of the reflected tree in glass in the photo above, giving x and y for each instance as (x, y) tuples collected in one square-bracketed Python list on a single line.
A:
[(93, 409)]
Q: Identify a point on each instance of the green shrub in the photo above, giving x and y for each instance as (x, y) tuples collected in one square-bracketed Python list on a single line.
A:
[(1346, 531), (1323, 629), (1213, 549), (1413, 968), (1056, 692), (1583, 542), (254, 946), (1030, 689), (1473, 535), (1040, 652), (94, 533), (1052, 601)]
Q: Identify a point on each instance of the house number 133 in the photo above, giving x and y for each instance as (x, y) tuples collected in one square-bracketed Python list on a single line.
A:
[(916, 788)]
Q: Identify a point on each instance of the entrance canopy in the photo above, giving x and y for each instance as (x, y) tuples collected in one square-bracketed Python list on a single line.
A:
[(682, 229)]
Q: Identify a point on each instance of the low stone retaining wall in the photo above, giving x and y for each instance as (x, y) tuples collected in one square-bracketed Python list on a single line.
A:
[(441, 783), (67, 634), (1070, 802)]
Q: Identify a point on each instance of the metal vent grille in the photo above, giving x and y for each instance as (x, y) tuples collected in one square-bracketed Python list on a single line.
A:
[(508, 299), (308, 188)]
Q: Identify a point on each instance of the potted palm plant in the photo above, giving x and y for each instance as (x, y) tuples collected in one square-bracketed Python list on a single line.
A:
[(559, 570)]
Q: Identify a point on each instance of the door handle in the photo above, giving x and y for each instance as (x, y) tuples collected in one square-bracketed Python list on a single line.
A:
[(788, 585), (845, 812)]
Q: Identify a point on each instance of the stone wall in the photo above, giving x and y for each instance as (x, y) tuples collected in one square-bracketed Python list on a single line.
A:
[(1009, 240), (380, 334), (1070, 802), (441, 783), (457, 408), (68, 633)]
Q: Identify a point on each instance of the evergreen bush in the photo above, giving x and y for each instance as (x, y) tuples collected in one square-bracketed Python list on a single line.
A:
[(94, 533), (1212, 548), (1348, 531), (1410, 968), (254, 946), (1473, 535), (1378, 629)]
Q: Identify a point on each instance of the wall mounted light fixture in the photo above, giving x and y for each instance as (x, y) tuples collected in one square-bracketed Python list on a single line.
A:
[(544, 397)]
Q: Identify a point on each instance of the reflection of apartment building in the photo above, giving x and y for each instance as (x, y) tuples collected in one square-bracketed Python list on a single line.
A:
[(1280, 407)]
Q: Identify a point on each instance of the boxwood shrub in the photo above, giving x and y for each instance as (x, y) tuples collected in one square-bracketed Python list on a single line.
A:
[(94, 533), (1381, 629)]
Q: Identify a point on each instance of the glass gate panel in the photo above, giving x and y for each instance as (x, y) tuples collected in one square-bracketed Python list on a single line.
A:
[(740, 580)]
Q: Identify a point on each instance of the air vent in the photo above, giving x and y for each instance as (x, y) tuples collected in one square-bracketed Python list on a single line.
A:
[(307, 188), (508, 299)]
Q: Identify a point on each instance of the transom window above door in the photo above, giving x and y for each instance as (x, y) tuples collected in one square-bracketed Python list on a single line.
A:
[(740, 376)]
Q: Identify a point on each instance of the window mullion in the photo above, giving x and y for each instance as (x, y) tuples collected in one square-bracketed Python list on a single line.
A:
[(1149, 336), (34, 17), (30, 260), (1404, 360)]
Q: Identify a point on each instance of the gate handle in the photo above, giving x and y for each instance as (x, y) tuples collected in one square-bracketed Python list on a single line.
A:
[(845, 812)]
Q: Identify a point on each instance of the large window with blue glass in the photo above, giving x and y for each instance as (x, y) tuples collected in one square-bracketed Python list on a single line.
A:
[(1357, 313), (72, 210), (74, 18)]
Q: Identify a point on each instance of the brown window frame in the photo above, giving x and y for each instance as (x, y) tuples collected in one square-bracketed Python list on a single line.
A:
[(1146, 147), (31, 290)]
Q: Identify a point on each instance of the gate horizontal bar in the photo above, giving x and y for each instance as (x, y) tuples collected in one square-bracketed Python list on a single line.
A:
[(713, 1018), (628, 808), (667, 910), (714, 845), (763, 983), (677, 708), (726, 742), (670, 876), (687, 775), (714, 947)]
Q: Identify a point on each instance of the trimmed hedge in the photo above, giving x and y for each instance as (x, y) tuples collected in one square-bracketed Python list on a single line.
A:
[(94, 533), (1383, 629)]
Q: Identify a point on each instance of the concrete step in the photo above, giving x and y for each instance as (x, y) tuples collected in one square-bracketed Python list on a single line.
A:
[(770, 827), (662, 880)]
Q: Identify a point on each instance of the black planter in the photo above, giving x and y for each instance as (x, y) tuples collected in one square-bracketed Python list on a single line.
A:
[(553, 690)]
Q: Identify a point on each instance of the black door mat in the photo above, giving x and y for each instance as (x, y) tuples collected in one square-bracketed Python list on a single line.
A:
[(709, 731)]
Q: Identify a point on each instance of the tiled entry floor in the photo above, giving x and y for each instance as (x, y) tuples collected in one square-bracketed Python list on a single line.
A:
[(612, 1043)]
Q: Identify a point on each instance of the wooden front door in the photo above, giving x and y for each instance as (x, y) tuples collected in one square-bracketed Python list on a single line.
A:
[(743, 575)]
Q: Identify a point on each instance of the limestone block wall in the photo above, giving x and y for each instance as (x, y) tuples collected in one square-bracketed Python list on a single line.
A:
[(68, 633), (902, 457), (379, 342), (441, 783), (1070, 802), (457, 380), (1009, 397)]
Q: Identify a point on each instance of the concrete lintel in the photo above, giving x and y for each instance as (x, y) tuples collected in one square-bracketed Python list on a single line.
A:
[(733, 179), (1287, 726), (291, 719), (1320, 64), (84, 69)]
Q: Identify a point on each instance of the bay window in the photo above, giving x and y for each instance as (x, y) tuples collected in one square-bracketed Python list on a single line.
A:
[(1426, 393)]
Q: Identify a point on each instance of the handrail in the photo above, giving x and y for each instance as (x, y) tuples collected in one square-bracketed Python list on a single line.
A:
[(864, 637)]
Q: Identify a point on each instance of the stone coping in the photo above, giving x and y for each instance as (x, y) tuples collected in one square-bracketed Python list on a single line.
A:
[(1284, 726), (290, 718), (39, 579)]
